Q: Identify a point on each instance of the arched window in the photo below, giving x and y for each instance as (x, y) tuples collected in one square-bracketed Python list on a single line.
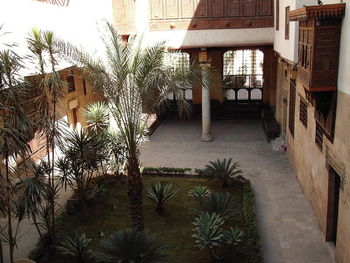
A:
[(243, 69), (243, 62)]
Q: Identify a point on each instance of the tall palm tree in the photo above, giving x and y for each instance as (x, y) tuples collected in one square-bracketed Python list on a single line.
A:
[(41, 45), (14, 129), (131, 78)]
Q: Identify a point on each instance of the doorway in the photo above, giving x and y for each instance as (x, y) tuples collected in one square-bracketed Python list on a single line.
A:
[(334, 182)]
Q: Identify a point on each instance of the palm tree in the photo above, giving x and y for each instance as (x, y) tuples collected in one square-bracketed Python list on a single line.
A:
[(133, 77), (41, 45), (80, 163), (223, 170), (130, 246), (75, 246), (14, 128)]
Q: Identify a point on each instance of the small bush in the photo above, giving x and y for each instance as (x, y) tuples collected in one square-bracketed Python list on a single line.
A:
[(199, 193), (160, 193)]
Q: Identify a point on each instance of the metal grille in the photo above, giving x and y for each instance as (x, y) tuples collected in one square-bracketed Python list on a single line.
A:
[(179, 60), (243, 74), (292, 105), (243, 62), (303, 112), (319, 136)]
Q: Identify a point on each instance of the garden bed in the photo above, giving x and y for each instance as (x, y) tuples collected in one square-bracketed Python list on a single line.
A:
[(173, 226)]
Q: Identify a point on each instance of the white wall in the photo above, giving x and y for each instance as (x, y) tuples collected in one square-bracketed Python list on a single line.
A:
[(213, 37), (78, 23), (288, 48), (198, 38)]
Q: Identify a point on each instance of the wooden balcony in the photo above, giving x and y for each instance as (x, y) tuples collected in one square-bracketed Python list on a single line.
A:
[(210, 14)]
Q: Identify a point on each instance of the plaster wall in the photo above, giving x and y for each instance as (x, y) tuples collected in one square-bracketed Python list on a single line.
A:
[(288, 49), (83, 99), (211, 38)]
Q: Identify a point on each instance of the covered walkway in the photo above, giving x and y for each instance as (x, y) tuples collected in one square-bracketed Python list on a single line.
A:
[(288, 228)]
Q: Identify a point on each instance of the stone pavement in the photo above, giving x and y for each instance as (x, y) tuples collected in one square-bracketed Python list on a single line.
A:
[(288, 228)]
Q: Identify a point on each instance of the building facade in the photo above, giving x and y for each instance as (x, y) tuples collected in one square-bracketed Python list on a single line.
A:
[(312, 107), (304, 76), (292, 55)]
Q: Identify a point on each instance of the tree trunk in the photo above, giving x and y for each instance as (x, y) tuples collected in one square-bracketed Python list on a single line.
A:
[(135, 188), (1, 253), (9, 210)]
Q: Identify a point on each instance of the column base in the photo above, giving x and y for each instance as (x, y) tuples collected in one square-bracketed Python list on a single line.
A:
[(206, 138)]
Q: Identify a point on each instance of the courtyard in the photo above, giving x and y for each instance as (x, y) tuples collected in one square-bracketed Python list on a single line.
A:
[(289, 231)]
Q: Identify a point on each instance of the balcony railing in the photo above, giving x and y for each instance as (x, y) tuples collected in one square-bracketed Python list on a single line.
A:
[(235, 88), (243, 87)]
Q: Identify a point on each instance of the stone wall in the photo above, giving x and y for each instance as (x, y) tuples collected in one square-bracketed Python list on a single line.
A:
[(311, 165)]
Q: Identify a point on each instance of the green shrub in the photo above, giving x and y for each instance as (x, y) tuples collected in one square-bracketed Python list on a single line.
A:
[(251, 221), (221, 204), (166, 170)]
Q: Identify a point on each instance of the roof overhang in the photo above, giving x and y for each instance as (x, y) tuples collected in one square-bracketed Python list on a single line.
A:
[(318, 12)]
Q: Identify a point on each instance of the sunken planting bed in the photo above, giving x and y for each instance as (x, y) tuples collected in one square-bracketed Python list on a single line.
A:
[(109, 212)]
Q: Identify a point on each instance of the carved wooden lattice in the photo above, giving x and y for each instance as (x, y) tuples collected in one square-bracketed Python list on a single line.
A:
[(319, 136), (56, 2), (292, 93), (303, 112), (223, 13)]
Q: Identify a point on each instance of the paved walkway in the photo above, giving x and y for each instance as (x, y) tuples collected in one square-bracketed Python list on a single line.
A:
[(288, 228)]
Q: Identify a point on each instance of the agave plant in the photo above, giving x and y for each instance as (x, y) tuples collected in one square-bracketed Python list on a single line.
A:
[(161, 192), (97, 117), (130, 246), (208, 232), (75, 246), (233, 237), (223, 170), (199, 193), (221, 204)]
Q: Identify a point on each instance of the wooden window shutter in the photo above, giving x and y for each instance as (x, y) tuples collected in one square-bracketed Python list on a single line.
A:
[(292, 93), (286, 36)]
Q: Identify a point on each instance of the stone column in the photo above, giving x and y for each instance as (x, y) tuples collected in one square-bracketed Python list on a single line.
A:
[(206, 136)]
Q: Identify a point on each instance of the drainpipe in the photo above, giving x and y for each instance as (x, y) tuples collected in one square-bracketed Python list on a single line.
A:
[(206, 136)]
